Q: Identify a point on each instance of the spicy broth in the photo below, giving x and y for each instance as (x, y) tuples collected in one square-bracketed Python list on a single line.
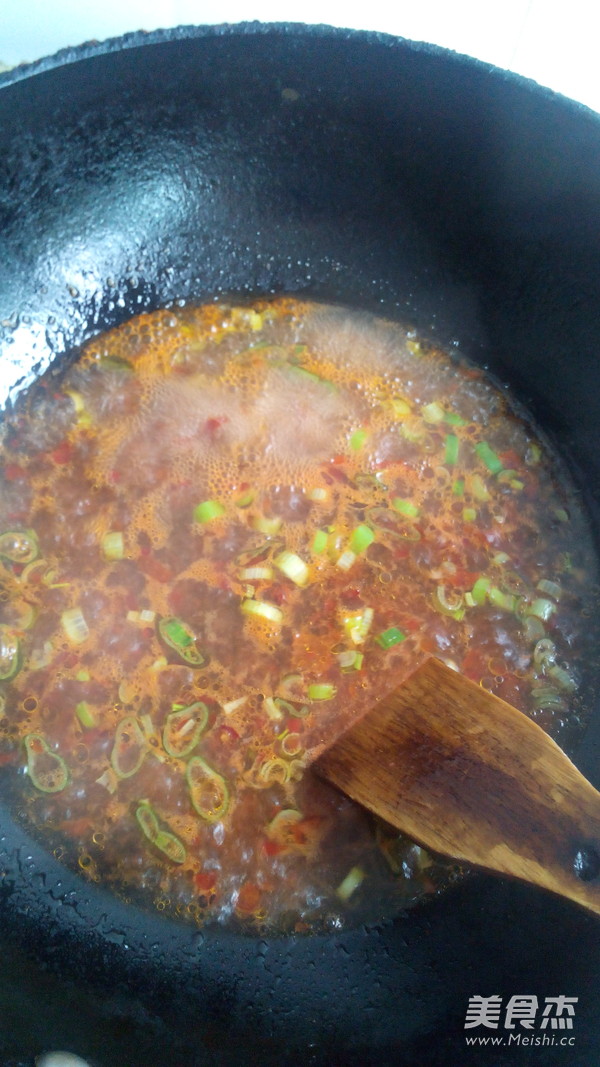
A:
[(225, 532)]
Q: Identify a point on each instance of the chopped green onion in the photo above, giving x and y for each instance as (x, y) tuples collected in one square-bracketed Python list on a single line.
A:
[(552, 589), (392, 636), (479, 590), (469, 514), (487, 456), (534, 629), (263, 609), (459, 487), (177, 636), (47, 770), (406, 507), (358, 440), (108, 781), (291, 744), (318, 494), (454, 420), (451, 454), (85, 715), (10, 654), (501, 557), (447, 606), (541, 608), (265, 525), (113, 545), (293, 567), (129, 749), (433, 412), (350, 660), (208, 790), (256, 574), (19, 546), (505, 601), (346, 560), (350, 884), (561, 514), (183, 728), (275, 770), (358, 624), (83, 675), (319, 542), (272, 709), (400, 407), (246, 499), (321, 691), (208, 510), (470, 601), (361, 538), (479, 489), (75, 626), (233, 705), (562, 678), (547, 697)]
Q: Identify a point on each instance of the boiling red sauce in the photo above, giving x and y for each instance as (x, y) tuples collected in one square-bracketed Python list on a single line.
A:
[(225, 533)]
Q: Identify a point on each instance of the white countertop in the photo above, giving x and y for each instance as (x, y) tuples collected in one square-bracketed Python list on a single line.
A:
[(553, 43)]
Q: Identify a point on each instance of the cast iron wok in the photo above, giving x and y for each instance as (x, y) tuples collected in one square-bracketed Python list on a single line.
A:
[(356, 169)]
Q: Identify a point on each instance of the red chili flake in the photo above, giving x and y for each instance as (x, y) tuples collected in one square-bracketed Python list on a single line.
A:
[(249, 898), (63, 453), (155, 569), (71, 660), (76, 827), (511, 459), (14, 473), (115, 476), (205, 881), (211, 426), (271, 848), (294, 725), (227, 735)]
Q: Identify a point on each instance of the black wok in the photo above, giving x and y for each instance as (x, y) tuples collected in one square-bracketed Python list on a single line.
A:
[(370, 172)]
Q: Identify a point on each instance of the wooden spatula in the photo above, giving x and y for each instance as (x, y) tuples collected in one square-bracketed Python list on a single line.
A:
[(469, 776)]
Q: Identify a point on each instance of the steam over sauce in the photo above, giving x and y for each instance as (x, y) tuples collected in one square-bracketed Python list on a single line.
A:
[(225, 533)]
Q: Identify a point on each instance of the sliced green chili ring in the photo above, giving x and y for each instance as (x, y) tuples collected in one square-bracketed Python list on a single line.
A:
[(129, 749), (487, 456), (289, 709), (147, 820), (171, 846), (177, 636), (47, 770), (19, 546), (164, 840), (183, 729), (208, 790), (10, 654)]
